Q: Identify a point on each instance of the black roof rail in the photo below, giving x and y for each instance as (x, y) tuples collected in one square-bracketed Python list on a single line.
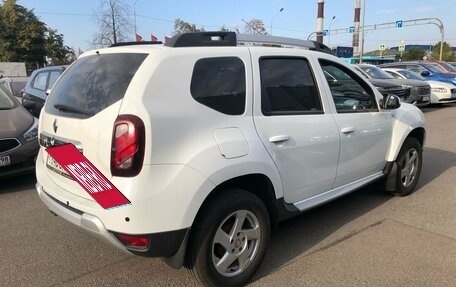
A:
[(217, 38), (203, 39), (135, 43)]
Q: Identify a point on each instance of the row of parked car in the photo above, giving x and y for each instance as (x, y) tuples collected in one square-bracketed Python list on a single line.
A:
[(421, 82), (21, 100)]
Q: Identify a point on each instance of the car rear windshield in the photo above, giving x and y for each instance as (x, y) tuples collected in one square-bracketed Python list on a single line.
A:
[(92, 84)]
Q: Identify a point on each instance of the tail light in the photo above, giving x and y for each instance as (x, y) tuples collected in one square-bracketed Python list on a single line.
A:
[(127, 151)]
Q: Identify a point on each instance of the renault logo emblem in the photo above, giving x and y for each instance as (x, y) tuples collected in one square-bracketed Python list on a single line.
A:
[(55, 126)]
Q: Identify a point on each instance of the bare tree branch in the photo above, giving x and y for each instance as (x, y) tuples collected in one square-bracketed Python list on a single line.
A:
[(114, 23)]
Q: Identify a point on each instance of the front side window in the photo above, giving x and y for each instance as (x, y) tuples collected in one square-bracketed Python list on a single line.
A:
[(350, 93), (219, 83), (288, 87)]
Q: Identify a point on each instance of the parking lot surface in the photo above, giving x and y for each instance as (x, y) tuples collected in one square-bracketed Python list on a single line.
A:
[(364, 239)]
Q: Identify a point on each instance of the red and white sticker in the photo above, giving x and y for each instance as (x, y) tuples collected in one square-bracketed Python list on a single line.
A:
[(88, 176)]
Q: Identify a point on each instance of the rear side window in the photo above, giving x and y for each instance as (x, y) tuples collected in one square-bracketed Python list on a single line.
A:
[(93, 83), (53, 76), (288, 87), (219, 83), (40, 81)]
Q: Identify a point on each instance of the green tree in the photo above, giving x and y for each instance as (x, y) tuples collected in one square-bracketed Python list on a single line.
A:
[(24, 38), (180, 26), (447, 55), (56, 52), (21, 35), (413, 54)]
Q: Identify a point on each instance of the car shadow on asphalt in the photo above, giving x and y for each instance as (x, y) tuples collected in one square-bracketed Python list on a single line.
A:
[(299, 235), (436, 162), (17, 183)]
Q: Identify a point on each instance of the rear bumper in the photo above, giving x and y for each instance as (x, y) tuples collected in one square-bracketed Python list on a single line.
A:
[(87, 222), (163, 244)]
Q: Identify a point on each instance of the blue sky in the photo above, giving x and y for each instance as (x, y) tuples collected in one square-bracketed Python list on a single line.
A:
[(73, 18)]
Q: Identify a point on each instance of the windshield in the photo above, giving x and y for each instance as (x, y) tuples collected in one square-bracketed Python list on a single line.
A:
[(93, 83), (376, 73), (447, 66), (433, 68), (6, 101), (411, 75)]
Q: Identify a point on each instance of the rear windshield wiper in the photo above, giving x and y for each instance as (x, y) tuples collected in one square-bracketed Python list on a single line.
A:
[(70, 109)]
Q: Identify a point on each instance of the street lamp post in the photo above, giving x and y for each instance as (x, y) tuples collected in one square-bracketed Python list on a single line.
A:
[(281, 9), (329, 31)]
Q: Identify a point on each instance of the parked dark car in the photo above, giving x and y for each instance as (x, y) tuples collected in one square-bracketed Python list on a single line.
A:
[(18, 137), (385, 87), (38, 84), (419, 91), (430, 72)]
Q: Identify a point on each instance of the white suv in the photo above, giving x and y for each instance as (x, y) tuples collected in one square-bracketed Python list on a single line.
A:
[(214, 142)]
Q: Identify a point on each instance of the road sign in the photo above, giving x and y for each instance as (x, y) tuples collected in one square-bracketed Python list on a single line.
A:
[(325, 32), (351, 29), (382, 47), (401, 48), (399, 24)]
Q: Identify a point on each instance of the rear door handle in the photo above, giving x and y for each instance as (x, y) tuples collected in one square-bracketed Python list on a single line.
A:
[(279, 138), (347, 130)]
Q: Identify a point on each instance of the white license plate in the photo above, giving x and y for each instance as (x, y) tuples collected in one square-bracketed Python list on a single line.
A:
[(425, 99), (56, 167), (5, 160)]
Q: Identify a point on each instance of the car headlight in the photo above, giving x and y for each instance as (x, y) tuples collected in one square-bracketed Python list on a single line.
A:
[(439, 90), (32, 132)]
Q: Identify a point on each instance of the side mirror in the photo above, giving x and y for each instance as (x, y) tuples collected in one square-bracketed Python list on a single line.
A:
[(425, 73), (391, 102)]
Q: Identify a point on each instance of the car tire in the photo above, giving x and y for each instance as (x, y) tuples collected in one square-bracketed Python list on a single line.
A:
[(409, 162), (229, 239)]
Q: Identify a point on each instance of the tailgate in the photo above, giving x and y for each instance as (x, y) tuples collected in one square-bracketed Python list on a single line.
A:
[(82, 109)]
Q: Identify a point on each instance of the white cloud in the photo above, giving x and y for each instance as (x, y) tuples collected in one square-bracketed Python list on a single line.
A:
[(421, 9), (387, 11)]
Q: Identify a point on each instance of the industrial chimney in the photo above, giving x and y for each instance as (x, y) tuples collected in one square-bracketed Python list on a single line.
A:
[(320, 12)]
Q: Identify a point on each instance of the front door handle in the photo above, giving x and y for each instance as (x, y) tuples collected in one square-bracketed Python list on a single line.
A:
[(279, 138), (347, 130)]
